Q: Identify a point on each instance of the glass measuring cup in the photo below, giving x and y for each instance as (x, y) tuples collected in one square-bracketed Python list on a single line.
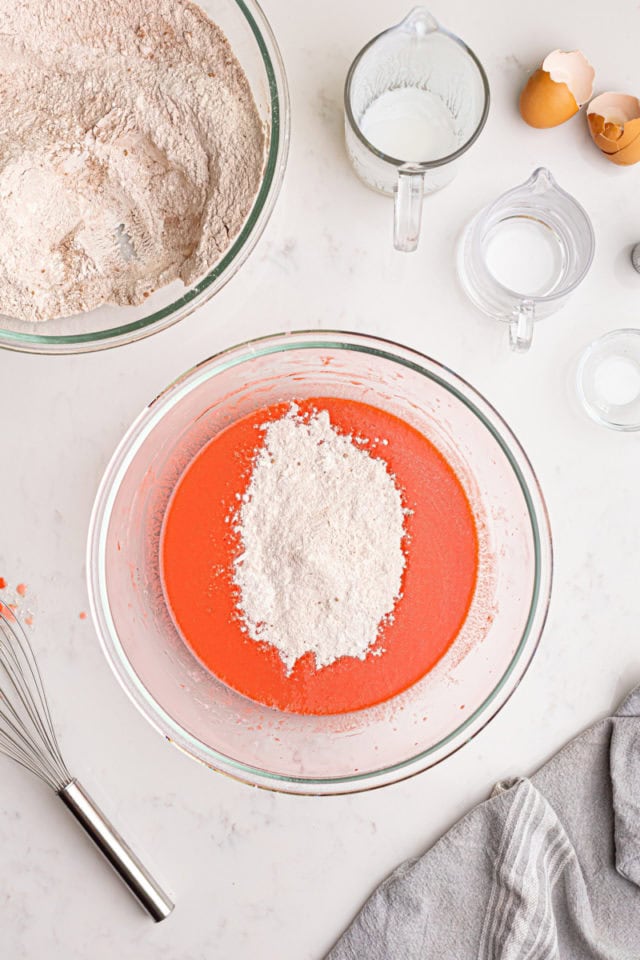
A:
[(523, 255), (416, 98)]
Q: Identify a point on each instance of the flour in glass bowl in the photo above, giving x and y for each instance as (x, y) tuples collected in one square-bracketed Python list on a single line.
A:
[(131, 151), (321, 528)]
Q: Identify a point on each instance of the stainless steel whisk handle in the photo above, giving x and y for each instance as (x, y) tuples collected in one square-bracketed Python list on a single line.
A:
[(122, 858)]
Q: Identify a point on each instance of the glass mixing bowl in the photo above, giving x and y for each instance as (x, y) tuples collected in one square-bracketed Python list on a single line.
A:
[(320, 754), (254, 44)]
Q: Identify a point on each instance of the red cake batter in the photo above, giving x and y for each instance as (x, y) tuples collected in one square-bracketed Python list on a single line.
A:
[(199, 546)]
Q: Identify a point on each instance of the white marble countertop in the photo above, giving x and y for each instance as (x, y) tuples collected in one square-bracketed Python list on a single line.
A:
[(256, 874)]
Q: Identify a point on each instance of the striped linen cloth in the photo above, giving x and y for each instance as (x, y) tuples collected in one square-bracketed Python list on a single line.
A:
[(547, 869)]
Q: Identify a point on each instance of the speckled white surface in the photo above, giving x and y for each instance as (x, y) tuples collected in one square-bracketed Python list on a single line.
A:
[(256, 874)]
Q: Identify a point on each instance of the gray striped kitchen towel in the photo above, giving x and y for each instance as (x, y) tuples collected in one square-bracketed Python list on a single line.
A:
[(547, 869)]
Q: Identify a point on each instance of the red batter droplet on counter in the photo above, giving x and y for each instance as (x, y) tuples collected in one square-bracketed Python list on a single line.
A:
[(3, 583), (21, 589), (199, 546), (6, 611)]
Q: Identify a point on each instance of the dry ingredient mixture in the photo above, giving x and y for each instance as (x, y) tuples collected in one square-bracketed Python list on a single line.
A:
[(201, 541), (130, 151), (321, 527)]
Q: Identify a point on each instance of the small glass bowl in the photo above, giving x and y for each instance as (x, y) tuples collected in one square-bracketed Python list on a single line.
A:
[(254, 44), (319, 754), (608, 380)]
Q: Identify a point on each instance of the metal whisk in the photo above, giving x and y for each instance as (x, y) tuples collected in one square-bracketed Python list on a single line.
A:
[(27, 736)]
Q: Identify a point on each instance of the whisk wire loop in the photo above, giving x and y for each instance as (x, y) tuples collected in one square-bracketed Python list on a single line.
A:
[(26, 727)]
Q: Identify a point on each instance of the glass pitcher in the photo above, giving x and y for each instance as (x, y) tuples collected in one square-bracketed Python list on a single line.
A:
[(524, 254), (416, 98)]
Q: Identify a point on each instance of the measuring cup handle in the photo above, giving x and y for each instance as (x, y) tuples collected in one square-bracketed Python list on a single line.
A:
[(407, 210), (521, 327)]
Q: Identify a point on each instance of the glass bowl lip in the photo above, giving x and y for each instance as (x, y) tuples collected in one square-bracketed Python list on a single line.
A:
[(234, 256), (142, 427), (417, 166), (585, 355)]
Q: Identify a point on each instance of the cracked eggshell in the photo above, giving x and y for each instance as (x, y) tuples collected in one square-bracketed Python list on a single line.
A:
[(557, 90), (614, 125)]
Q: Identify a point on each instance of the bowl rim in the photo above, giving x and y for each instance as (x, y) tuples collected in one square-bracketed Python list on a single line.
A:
[(143, 425), (236, 254)]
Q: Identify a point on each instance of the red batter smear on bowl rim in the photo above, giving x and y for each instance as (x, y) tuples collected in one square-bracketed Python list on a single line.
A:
[(199, 547)]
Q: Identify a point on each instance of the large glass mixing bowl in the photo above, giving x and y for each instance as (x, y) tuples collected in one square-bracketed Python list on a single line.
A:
[(320, 754), (254, 45)]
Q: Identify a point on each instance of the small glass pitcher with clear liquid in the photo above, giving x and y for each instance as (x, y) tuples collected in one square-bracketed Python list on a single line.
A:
[(522, 256), (416, 98)]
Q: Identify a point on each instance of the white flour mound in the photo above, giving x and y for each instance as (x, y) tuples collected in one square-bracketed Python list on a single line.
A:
[(321, 527), (130, 154)]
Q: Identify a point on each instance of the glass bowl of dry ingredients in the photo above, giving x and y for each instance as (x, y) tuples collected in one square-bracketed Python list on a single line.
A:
[(134, 198), (322, 753)]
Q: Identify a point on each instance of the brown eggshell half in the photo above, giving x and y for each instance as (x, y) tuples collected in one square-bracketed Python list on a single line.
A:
[(545, 103), (614, 124), (628, 156), (573, 68)]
